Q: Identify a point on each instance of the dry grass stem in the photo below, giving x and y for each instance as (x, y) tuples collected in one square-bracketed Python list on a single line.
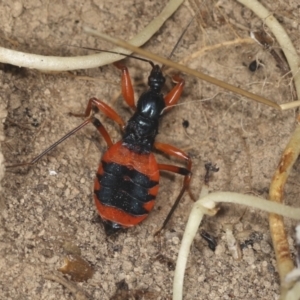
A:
[(55, 63)]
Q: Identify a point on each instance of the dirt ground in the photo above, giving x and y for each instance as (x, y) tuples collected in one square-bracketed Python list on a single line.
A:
[(46, 215)]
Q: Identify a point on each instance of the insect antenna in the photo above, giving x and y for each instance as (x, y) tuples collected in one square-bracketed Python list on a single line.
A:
[(37, 158), (119, 53), (179, 40)]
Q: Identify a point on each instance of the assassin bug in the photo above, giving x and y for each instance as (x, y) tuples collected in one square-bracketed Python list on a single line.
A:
[(127, 179)]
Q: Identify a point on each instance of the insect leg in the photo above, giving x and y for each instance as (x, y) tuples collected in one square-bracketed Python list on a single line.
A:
[(37, 158), (96, 104), (99, 126), (92, 120), (173, 96), (127, 89), (171, 150)]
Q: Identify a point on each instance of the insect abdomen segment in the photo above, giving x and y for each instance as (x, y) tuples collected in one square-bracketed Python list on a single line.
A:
[(126, 185)]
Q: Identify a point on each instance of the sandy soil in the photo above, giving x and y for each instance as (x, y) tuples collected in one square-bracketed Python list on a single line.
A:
[(43, 215)]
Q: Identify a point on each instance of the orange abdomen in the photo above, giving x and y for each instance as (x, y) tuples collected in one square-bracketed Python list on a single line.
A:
[(126, 186)]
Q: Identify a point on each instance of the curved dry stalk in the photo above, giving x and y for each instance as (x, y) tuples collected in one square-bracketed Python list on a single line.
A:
[(279, 238), (291, 152), (206, 205), (55, 63)]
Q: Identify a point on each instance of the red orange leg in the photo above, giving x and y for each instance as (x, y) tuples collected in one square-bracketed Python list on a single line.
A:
[(173, 96), (171, 150), (99, 126), (95, 103), (174, 169), (92, 120), (51, 147), (127, 89)]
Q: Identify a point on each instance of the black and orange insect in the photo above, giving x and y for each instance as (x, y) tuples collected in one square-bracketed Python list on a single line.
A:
[(127, 179)]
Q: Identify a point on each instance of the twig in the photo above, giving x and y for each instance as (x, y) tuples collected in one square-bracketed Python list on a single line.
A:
[(184, 69), (55, 63)]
